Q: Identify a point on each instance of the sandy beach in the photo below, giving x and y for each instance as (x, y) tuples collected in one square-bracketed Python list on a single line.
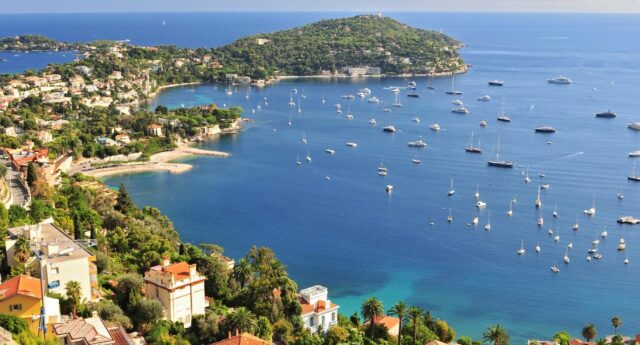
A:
[(162, 161)]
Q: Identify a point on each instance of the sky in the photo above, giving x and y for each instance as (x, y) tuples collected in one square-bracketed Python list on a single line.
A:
[(65, 6)]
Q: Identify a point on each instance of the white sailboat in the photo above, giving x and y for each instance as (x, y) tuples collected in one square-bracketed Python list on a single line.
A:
[(449, 217), (298, 162), (527, 179), (299, 105), (415, 159), (555, 211), (308, 155), (521, 251), (382, 170), (538, 249), (488, 225), (566, 256), (290, 123), (304, 138), (451, 190), (397, 102), (576, 226), (477, 193), (591, 211), (510, 212), (538, 201)]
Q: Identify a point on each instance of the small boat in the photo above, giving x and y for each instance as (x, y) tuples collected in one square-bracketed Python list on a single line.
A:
[(559, 80), (570, 245), (372, 122), (545, 129), (416, 119), (483, 123), (503, 118), (386, 110), (348, 97), (634, 153), (550, 232), (622, 245), (308, 158), (474, 221), (374, 100), (348, 117), (477, 193), (460, 110), (388, 188), (498, 162), (521, 251), (496, 83), (635, 126), (471, 148), (555, 211), (633, 177), (626, 261), (606, 115), (389, 129), (395, 90), (435, 127), (481, 204), (366, 91), (540, 222), (591, 211), (488, 225), (451, 191), (412, 84), (298, 162), (453, 89), (588, 258), (417, 143), (413, 95), (538, 202), (555, 268), (330, 151), (538, 249), (595, 242), (457, 102), (449, 217), (545, 186), (620, 196), (415, 159), (592, 250), (556, 238), (566, 257), (597, 256), (354, 145), (576, 226), (484, 98), (510, 212)]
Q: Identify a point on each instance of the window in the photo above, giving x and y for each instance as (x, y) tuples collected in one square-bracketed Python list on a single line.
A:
[(15, 307), (55, 270), (333, 316), (322, 320), (311, 321)]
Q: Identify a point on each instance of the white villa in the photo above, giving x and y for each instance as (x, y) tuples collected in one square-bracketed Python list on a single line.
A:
[(318, 313)]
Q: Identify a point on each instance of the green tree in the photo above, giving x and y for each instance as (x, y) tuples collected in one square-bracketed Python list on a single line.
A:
[(445, 332), (616, 322), (4, 221), (589, 332), (32, 174), (562, 338), (496, 335), (13, 323), (241, 320), (370, 310), (399, 310), (124, 203), (336, 335), (264, 330), (243, 272), (127, 284), (3, 170), (73, 291), (415, 314), (146, 312), (22, 254)]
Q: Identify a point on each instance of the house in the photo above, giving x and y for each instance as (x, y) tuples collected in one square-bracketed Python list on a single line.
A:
[(65, 259), (22, 295), (53, 172), (576, 341), (123, 138), (45, 137), (106, 141), (180, 289), (317, 309), (243, 339), (154, 129), (90, 331), (262, 41), (392, 324), (227, 261)]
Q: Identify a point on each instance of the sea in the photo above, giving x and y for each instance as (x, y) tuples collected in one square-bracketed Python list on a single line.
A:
[(330, 219)]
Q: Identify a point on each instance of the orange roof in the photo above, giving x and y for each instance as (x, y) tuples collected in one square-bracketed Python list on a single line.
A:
[(243, 339), (388, 321), (179, 270), (576, 341), (21, 285), (318, 308), (153, 125)]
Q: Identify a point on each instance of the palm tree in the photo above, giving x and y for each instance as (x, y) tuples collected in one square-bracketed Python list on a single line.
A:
[(22, 253), (371, 308), (496, 335), (242, 320), (415, 314), (243, 271), (589, 332), (616, 322), (74, 293), (399, 310)]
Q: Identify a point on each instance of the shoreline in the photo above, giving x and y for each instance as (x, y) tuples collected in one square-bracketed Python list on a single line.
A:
[(159, 162)]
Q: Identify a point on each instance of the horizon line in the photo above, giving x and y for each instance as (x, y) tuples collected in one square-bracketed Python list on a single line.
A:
[(346, 11)]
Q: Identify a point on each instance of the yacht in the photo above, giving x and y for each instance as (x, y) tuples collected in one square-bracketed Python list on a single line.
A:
[(382, 170), (622, 245), (418, 143), (545, 186), (540, 222), (304, 138), (521, 251), (365, 91), (633, 176), (555, 211), (559, 80), (413, 95), (361, 94), (604, 232), (545, 129), (415, 159), (488, 225), (484, 98), (474, 221), (510, 212), (471, 148), (460, 110), (483, 123), (435, 127), (498, 162), (395, 90), (576, 226), (503, 118), (481, 204), (348, 97), (429, 86), (389, 129), (496, 83), (397, 102), (416, 119), (449, 217), (389, 188), (453, 89), (538, 249), (626, 261), (451, 191), (566, 257), (607, 114), (635, 126), (348, 117), (374, 100), (591, 211), (372, 122), (354, 145), (308, 158), (634, 153), (555, 268), (298, 162), (457, 102), (412, 84), (330, 151), (476, 195)]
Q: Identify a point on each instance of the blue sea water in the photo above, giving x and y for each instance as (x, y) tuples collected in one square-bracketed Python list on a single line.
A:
[(18, 62), (348, 234)]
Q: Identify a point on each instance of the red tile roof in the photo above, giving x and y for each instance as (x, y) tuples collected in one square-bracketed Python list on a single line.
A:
[(21, 285), (119, 336), (179, 270), (318, 308), (243, 339), (388, 321)]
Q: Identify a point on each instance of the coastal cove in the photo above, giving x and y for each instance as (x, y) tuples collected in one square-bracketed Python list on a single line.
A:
[(470, 277)]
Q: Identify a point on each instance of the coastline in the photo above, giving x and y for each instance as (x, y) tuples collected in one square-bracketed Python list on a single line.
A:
[(159, 162), (463, 69)]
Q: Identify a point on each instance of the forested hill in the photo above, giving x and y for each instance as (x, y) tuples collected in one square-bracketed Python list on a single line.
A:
[(365, 40)]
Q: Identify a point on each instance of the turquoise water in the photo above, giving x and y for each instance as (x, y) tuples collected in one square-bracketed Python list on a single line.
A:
[(18, 62), (348, 234)]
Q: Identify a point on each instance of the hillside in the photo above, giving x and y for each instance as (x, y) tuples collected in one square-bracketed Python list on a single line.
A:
[(337, 43)]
